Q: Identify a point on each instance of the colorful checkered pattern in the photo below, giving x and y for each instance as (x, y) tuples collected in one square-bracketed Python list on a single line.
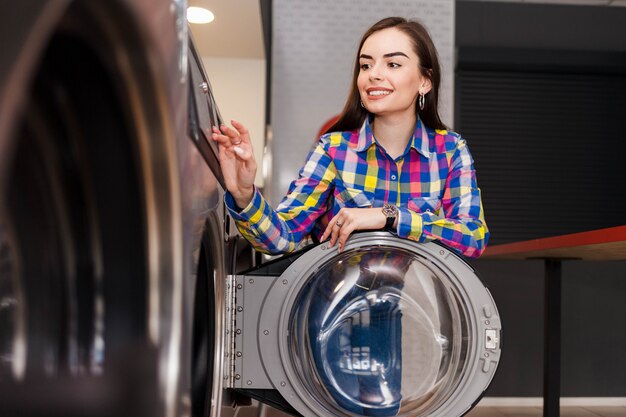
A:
[(433, 183)]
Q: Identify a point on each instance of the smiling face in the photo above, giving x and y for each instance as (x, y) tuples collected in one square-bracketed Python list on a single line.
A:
[(389, 79)]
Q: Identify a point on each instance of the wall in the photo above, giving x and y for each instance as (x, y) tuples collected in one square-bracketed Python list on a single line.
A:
[(239, 89), (593, 311), (313, 51), (580, 28)]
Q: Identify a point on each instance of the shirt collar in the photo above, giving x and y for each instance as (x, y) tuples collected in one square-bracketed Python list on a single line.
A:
[(419, 141)]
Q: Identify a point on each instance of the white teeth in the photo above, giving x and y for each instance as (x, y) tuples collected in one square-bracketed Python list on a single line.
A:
[(379, 93)]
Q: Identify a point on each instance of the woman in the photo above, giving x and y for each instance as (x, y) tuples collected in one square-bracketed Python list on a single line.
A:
[(388, 163)]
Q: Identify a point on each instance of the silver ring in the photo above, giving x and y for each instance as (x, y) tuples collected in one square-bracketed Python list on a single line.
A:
[(237, 143), (339, 223)]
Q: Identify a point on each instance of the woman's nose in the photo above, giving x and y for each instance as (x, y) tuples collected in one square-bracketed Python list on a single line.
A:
[(375, 73)]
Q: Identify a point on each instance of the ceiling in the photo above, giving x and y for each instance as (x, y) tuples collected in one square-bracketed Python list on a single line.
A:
[(236, 31)]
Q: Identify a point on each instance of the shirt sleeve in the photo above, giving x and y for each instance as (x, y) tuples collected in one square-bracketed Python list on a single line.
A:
[(460, 223), (281, 230)]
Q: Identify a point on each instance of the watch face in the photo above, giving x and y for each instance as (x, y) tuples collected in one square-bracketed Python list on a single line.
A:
[(390, 210)]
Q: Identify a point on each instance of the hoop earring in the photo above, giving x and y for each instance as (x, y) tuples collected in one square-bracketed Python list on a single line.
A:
[(362, 104), (421, 101)]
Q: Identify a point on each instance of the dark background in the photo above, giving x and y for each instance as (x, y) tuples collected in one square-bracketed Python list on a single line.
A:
[(541, 100)]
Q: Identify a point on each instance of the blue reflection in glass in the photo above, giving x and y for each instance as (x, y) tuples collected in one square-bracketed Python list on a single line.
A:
[(355, 332)]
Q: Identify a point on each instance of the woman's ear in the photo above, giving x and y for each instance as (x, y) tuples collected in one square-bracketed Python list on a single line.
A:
[(426, 85)]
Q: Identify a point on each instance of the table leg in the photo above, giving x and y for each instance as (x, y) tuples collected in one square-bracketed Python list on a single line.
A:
[(552, 339)]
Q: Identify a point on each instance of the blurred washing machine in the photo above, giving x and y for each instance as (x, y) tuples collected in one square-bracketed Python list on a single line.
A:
[(114, 239), (388, 327)]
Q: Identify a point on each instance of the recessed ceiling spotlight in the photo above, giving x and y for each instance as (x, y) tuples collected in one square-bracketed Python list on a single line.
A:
[(199, 15)]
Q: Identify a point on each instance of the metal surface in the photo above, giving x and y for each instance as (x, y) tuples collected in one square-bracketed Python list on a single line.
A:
[(105, 206), (267, 339), (552, 339), (251, 293)]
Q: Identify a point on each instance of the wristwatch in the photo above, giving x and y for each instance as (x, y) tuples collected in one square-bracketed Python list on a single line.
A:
[(391, 212)]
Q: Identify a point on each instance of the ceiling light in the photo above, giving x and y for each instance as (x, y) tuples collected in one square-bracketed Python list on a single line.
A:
[(199, 15)]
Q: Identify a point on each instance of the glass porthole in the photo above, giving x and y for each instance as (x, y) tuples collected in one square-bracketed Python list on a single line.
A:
[(379, 331)]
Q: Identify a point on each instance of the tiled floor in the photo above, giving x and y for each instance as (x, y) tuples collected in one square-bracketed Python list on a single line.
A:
[(537, 412)]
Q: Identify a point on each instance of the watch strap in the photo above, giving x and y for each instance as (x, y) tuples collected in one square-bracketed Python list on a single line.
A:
[(389, 223), (391, 212)]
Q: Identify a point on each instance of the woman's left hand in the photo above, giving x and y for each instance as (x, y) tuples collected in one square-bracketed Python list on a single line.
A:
[(350, 219)]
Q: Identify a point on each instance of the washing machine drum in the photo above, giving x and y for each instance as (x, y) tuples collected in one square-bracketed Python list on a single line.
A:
[(387, 327)]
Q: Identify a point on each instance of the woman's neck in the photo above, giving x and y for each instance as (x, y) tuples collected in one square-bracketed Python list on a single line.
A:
[(393, 134)]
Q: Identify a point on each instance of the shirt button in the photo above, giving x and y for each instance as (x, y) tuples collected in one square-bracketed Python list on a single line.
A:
[(393, 177)]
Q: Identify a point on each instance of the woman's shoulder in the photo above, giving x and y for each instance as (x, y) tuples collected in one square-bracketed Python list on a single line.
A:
[(446, 139), (340, 139)]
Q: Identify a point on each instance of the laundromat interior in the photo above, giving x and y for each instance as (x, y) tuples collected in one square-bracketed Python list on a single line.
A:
[(126, 288)]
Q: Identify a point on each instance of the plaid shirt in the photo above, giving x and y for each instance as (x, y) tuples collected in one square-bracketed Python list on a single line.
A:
[(432, 183)]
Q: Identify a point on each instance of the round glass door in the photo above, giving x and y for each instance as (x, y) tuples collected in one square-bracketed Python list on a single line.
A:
[(379, 331)]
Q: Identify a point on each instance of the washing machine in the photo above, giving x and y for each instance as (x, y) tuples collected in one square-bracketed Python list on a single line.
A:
[(387, 327), (114, 239)]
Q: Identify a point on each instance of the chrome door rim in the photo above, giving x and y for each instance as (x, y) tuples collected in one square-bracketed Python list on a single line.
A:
[(287, 287)]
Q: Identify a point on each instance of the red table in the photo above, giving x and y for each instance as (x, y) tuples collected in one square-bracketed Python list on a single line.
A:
[(597, 245)]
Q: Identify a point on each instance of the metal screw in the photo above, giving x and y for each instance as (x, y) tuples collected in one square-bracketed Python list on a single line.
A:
[(239, 354), (487, 322), (441, 252), (486, 355), (240, 308), (227, 331), (251, 281), (249, 382), (239, 286), (205, 88), (237, 377), (238, 331), (285, 282), (283, 383), (323, 247), (228, 286), (266, 332)]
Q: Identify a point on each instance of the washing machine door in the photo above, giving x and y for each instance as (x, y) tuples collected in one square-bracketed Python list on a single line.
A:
[(388, 327)]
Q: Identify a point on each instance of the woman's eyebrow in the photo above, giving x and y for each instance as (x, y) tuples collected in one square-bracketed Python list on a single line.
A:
[(395, 54), (389, 55)]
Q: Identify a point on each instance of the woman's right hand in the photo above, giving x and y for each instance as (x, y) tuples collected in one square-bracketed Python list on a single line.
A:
[(237, 161)]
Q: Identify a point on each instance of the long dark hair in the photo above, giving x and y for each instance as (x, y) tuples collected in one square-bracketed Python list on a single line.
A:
[(353, 114)]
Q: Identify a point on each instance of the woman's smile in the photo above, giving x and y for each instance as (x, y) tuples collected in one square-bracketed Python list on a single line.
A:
[(378, 93)]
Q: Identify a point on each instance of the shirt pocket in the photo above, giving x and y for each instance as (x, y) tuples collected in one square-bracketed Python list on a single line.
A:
[(424, 204), (351, 197)]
